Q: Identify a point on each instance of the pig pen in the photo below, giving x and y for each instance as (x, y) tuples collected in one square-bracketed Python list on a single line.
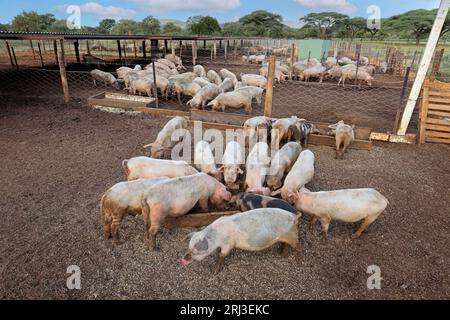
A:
[(57, 160)]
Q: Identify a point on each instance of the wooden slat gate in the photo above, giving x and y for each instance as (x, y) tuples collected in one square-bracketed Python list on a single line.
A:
[(434, 112)]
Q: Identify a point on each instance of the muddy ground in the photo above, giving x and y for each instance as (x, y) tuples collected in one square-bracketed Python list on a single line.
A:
[(57, 161)]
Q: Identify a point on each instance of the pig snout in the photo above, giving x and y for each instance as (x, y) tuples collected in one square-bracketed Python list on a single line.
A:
[(187, 259)]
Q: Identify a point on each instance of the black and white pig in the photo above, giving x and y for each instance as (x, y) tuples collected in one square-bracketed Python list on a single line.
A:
[(246, 201)]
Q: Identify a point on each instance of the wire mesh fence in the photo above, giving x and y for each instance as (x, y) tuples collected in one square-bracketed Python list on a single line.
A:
[(32, 71)]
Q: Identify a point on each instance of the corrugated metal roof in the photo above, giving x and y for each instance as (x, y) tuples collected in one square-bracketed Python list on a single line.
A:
[(11, 35)]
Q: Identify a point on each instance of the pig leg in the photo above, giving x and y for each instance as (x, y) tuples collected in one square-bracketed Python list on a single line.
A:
[(203, 204), (156, 216), (221, 254), (325, 222), (364, 225), (115, 229)]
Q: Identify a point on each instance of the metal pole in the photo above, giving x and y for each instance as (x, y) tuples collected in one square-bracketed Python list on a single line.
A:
[(424, 65)]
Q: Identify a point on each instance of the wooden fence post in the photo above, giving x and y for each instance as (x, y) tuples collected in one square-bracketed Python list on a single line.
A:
[(215, 49), (8, 48), (144, 51), (62, 71), (423, 112), (269, 87), (40, 54), (88, 48), (119, 49), (436, 63), (291, 67), (61, 43), (76, 44), (193, 53), (32, 49), (135, 49), (15, 58), (226, 50), (55, 50), (172, 48)]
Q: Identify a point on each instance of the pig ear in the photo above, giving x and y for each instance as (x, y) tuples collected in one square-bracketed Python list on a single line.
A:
[(148, 145), (201, 245), (239, 170), (222, 168), (188, 236)]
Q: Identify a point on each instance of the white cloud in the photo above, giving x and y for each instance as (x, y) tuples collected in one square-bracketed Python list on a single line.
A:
[(335, 5), (294, 23), (103, 12), (185, 5)]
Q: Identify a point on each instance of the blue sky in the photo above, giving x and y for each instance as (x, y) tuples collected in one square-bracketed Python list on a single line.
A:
[(223, 10)]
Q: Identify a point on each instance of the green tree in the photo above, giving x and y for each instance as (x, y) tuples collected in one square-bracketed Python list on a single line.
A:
[(126, 26), (5, 27), (232, 29), (323, 21), (105, 26), (151, 25), (416, 24), (59, 26), (172, 28), (353, 26), (262, 23), (203, 25), (32, 21)]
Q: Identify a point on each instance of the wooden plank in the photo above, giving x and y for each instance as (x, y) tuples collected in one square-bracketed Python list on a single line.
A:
[(438, 134), (437, 127), (438, 106), (220, 117), (439, 113), (331, 142), (423, 113), (212, 125), (361, 133), (128, 97), (438, 140), (439, 100), (437, 121), (439, 93), (195, 220)]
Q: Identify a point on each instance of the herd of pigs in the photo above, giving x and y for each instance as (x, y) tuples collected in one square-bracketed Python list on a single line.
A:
[(159, 188), (222, 89)]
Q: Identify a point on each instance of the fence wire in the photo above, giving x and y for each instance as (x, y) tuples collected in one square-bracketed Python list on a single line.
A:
[(374, 106)]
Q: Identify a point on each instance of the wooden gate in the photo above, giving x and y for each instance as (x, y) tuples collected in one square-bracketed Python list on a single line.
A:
[(434, 112)]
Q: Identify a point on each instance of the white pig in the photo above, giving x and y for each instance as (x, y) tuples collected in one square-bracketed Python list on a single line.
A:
[(176, 197), (348, 205), (301, 173), (252, 230), (231, 161), (204, 159), (257, 167), (149, 168), (282, 163), (344, 137)]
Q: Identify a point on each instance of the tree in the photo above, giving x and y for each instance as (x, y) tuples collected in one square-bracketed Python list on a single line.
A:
[(32, 21), (126, 26), (5, 27), (172, 28), (150, 25), (59, 26), (105, 26), (414, 23), (353, 26), (262, 23), (203, 25), (323, 21), (232, 29)]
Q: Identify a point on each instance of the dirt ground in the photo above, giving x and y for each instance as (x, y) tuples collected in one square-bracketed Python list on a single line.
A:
[(57, 161)]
